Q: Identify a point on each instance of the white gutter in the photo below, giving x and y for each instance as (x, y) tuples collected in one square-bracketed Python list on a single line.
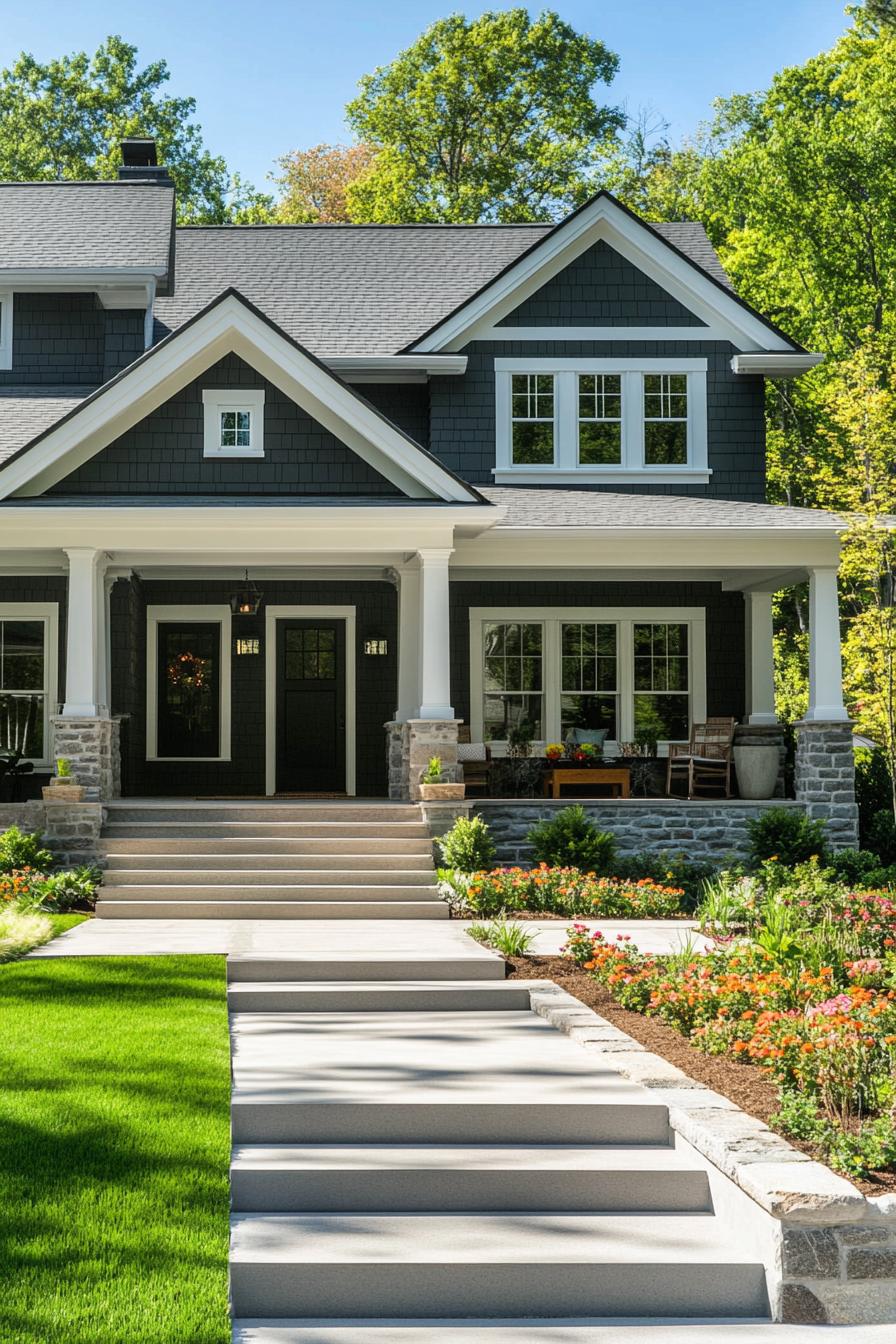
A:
[(774, 365)]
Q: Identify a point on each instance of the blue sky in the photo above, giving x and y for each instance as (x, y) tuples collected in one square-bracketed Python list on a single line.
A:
[(271, 76)]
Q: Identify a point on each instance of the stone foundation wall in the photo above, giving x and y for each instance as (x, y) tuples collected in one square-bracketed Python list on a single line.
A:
[(70, 830), (699, 829), (94, 748), (825, 779)]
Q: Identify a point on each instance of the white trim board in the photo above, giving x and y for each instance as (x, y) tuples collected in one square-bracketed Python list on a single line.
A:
[(228, 326), (48, 614), (7, 303), (213, 614), (307, 613), (603, 219), (551, 618)]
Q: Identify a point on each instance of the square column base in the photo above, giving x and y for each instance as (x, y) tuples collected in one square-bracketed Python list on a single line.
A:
[(93, 747), (410, 746), (825, 778)]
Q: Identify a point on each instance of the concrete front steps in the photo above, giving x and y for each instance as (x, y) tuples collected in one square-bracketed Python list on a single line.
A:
[(413, 1152), (267, 860)]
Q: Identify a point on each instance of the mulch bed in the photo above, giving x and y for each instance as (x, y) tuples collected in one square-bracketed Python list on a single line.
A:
[(744, 1084)]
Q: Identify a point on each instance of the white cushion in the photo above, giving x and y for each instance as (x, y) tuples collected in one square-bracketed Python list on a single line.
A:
[(471, 751)]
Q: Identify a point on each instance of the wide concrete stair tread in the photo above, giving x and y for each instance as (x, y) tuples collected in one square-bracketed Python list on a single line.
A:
[(558, 1330), (489, 1264), (271, 891), (227, 810), (461, 963), (132, 907), (228, 845), (427, 1177), (248, 865), (364, 996), (265, 827), (264, 877)]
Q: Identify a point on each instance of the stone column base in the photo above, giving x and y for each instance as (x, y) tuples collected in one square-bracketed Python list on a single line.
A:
[(825, 778), (410, 746), (93, 747)]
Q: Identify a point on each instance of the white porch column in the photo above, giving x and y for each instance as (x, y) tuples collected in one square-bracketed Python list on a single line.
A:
[(86, 695), (408, 640), (825, 666), (760, 658), (435, 672)]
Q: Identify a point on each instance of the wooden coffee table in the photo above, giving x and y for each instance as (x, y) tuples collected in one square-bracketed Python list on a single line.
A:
[(617, 777)]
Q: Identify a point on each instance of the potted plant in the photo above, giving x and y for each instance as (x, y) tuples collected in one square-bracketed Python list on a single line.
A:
[(554, 753), (434, 788), (63, 786)]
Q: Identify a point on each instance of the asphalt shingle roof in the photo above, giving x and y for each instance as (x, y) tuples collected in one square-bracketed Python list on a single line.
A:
[(360, 289), (534, 508), (26, 412), (85, 224)]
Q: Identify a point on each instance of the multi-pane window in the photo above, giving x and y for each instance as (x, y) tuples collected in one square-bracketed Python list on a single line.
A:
[(588, 677), (236, 429), (600, 418), (661, 680), (310, 653), (665, 419), (512, 678), (23, 687), (532, 418)]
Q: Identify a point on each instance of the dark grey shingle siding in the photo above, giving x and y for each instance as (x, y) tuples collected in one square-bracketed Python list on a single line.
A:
[(601, 288), (163, 453), (57, 338), (463, 413)]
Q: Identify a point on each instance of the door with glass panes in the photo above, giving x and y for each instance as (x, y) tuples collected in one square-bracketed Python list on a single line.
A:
[(311, 706)]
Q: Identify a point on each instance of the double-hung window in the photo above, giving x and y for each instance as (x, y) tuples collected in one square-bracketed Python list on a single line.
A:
[(624, 420), (639, 674), (28, 663)]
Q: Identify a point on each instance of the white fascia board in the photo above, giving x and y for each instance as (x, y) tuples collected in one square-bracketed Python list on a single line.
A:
[(632, 333), (603, 219), (228, 326), (61, 279), (345, 365), (774, 364)]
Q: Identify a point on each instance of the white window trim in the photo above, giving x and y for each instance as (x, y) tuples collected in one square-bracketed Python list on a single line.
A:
[(218, 399), (48, 614), (632, 469), (6, 307), (306, 613), (551, 618), (213, 615)]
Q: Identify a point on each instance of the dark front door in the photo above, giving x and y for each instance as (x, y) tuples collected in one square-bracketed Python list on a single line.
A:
[(311, 706)]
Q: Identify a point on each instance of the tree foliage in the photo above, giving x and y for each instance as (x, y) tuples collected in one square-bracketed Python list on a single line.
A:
[(492, 118), (315, 182), (64, 119)]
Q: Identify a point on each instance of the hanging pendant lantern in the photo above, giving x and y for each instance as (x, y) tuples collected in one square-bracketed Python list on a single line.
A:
[(245, 601)]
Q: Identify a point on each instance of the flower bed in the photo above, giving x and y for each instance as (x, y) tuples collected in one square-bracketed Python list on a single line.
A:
[(31, 881), (807, 992), (559, 891)]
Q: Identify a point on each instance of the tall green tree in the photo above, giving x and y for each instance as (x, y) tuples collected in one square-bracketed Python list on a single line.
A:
[(484, 119), (64, 119)]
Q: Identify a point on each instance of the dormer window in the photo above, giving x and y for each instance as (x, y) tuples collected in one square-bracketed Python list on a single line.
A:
[(601, 420), (234, 423), (5, 328)]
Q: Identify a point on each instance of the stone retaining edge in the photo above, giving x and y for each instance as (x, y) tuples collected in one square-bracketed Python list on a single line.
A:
[(835, 1248)]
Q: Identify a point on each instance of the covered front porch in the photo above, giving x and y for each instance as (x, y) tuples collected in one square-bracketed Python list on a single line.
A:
[(371, 631)]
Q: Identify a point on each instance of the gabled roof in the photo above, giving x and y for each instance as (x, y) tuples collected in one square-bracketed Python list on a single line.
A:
[(85, 226), (229, 324), (358, 289), (651, 249)]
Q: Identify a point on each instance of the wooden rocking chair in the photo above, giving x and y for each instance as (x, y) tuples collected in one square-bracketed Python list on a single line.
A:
[(705, 760)]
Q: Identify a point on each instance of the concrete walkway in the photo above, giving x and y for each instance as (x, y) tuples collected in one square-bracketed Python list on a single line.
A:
[(159, 937)]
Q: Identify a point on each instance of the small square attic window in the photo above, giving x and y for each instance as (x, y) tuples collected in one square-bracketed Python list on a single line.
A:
[(233, 423)]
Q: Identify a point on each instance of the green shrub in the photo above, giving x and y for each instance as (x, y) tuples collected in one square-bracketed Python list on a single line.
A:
[(63, 891), (787, 835), (670, 870), (18, 850), (571, 840), (874, 790), (857, 867), (882, 836), (468, 847)]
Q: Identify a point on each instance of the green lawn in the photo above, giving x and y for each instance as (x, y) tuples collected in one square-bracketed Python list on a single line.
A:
[(114, 1148), (62, 922)]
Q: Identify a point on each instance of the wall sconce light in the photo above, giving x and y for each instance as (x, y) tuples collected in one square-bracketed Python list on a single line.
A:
[(245, 601), (375, 646), (241, 646)]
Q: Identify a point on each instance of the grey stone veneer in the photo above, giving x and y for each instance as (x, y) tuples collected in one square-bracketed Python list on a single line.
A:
[(410, 747), (700, 829), (93, 747), (70, 830), (825, 779)]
